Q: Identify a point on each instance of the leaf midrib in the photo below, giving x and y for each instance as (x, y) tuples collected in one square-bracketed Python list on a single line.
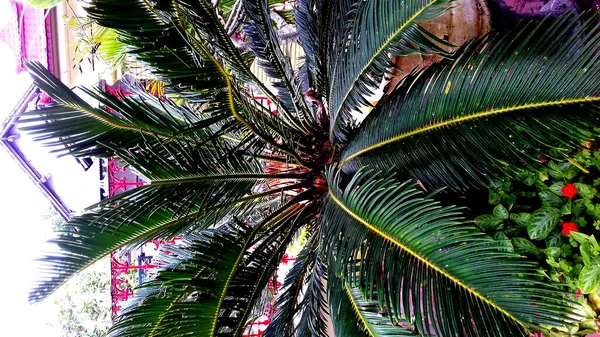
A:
[(227, 177), (424, 260), (357, 310), (458, 120)]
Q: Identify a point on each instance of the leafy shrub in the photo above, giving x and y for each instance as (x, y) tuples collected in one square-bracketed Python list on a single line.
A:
[(552, 216)]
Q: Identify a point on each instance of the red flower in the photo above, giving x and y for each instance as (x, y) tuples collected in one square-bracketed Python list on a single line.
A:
[(568, 227), (569, 191), (578, 293)]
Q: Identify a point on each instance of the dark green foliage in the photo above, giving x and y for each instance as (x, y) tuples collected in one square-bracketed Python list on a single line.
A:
[(238, 180), (460, 123), (435, 249)]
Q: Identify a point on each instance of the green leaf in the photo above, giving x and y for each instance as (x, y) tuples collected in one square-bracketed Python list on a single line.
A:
[(525, 247), (43, 4), (555, 239), (489, 222), (556, 188), (566, 207), (585, 191), (552, 252), (500, 212), (593, 210), (580, 206), (542, 222), (580, 238), (504, 241), (494, 197), (589, 277), (564, 170), (587, 253), (543, 174), (549, 198), (526, 177), (521, 219)]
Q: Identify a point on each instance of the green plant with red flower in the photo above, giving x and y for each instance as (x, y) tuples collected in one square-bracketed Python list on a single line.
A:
[(551, 216)]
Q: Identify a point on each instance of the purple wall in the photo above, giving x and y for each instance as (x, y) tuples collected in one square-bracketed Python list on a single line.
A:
[(28, 34)]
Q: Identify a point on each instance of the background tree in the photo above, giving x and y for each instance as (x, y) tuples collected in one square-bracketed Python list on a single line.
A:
[(83, 305)]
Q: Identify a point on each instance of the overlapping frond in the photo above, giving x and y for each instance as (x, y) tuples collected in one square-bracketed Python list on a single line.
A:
[(421, 261), (506, 100), (265, 45), (302, 297), (191, 187), (367, 32), (215, 284), (312, 18), (76, 127), (185, 43), (210, 32), (191, 284), (352, 315), (267, 125), (156, 38)]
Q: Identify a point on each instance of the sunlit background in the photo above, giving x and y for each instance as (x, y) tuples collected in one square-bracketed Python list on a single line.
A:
[(22, 207)]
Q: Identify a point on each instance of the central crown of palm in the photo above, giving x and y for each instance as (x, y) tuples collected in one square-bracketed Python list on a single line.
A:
[(238, 182)]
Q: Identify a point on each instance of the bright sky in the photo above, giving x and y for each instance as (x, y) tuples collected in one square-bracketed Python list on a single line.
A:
[(21, 209)]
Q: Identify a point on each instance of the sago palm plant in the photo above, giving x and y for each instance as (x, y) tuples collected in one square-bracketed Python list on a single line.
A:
[(384, 257)]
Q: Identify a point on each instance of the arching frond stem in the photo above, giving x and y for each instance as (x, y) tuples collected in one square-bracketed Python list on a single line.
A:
[(458, 120), (425, 261)]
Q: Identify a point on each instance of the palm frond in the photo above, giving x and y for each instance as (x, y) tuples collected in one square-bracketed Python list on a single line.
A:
[(313, 321), (191, 187), (185, 44), (192, 285), (352, 315), (76, 127), (506, 100), (302, 297), (216, 284), (279, 135), (421, 260), (209, 32), (154, 37), (312, 18), (265, 45), (367, 32)]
